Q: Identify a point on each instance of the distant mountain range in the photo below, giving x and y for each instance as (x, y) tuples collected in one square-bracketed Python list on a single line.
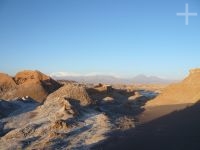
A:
[(140, 79)]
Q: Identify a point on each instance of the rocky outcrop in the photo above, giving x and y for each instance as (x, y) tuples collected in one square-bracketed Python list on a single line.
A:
[(73, 92), (6, 83), (27, 83), (187, 91), (47, 122)]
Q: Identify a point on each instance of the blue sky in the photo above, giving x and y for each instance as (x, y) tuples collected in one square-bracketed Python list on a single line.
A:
[(122, 37)]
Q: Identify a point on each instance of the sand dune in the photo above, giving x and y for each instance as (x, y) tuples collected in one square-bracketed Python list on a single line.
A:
[(187, 91)]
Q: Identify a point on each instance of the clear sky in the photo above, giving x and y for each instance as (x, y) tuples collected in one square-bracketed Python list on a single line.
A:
[(122, 37)]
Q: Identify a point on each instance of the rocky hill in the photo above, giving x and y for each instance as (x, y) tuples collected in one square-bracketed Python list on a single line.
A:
[(187, 91), (27, 83), (6, 83)]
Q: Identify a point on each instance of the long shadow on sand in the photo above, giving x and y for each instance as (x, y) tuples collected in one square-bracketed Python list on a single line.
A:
[(121, 105), (179, 130)]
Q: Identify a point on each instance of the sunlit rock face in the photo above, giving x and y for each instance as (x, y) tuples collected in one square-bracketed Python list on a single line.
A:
[(187, 91), (27, 83)]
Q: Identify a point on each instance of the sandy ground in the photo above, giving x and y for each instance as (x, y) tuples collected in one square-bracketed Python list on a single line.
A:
[(178, 130)]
